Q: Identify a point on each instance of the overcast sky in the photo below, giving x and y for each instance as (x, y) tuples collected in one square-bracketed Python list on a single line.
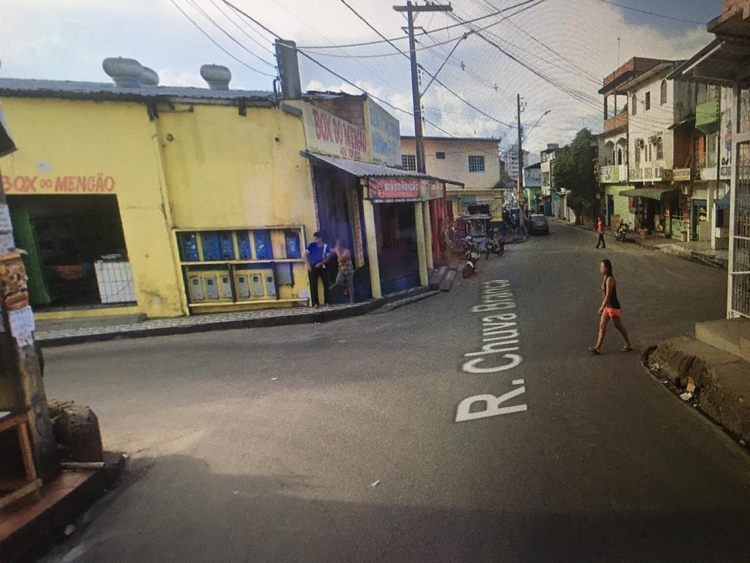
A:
[(573, 43)]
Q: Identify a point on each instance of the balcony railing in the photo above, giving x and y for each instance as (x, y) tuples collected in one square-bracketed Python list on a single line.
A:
[(616, 122)]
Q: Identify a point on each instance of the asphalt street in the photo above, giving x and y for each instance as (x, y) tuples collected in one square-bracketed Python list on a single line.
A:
[(358, 440)]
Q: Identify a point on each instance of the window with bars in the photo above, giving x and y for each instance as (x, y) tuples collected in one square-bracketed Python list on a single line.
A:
[(648, 101), (409, 162), (660, 149), (476, 164)]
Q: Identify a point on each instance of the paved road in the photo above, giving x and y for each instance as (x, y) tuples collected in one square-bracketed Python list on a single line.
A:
[(264, 445)]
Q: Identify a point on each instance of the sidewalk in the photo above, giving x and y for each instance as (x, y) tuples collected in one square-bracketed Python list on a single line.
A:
[(710, 371), (697, 251), (63, 333)]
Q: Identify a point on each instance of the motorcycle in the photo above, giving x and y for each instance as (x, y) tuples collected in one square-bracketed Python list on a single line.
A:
[(472, 252), (621, 233)]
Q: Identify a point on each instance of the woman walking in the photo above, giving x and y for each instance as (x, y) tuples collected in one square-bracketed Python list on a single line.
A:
[(610, 309), (345, 277)]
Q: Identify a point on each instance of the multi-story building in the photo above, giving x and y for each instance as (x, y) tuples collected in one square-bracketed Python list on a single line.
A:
[(532, 184), (724, 62), (550, 198), (613, 142), (511, 161), (660, 133), (472, 163)]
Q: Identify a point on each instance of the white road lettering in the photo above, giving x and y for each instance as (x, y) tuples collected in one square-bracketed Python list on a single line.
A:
[(500, 339)]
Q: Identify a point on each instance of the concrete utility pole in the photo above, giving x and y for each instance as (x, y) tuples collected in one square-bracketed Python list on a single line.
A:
[(410, 10), (519, 187)]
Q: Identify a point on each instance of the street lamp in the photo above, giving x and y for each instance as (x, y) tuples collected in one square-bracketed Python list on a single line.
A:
[(537, 123)]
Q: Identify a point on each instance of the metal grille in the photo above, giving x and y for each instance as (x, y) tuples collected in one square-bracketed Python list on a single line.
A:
[(741, 239)]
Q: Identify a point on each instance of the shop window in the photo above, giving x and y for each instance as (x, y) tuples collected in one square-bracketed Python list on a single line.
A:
[(476, 164), (634, 105), (76, 249), (409, 162), (440, 155), (663, 97), (648, 101)]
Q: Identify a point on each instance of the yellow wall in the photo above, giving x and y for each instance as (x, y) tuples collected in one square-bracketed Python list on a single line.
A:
[(224, 170), (59, 138), (455, 166)]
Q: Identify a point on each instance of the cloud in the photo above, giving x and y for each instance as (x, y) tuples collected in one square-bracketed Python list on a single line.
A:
[(67, 39)]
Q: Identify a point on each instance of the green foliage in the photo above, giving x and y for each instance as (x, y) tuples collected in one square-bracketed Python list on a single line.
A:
[(574, 171)]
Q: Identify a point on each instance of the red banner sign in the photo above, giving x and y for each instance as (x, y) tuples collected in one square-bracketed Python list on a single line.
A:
[(395, 188)]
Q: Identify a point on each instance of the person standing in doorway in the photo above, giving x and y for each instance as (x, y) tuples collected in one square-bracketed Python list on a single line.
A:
[(609, 309), (345, 277), (600, 230), (318, 254)]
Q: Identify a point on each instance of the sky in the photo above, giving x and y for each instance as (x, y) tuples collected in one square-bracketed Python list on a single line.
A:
[(572, 44)]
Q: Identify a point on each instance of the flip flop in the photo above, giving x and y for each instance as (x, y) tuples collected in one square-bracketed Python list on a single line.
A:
[(594, 351), (626, 349)]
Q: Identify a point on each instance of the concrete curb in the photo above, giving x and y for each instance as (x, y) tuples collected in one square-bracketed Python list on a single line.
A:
[(319, 316), (721, 391)]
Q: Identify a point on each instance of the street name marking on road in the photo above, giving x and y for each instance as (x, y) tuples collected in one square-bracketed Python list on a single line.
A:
[(500, 342)]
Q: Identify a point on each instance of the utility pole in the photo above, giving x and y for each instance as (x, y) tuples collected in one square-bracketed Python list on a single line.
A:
[(410, 10), (520, 148)]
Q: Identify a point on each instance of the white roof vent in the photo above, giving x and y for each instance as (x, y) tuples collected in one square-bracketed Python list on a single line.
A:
[(126, 73), (217, 76)]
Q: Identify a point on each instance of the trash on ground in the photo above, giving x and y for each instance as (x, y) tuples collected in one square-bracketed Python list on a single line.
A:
[(376, 483), (690, 388), (274, 378), (686, 396), (70, 529)]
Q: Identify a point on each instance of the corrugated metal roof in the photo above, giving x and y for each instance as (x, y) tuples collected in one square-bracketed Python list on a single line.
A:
[(365, 169), (649, 193), (17, 87)]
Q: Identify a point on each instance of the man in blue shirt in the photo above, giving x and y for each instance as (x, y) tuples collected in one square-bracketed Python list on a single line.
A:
[(318, 254)]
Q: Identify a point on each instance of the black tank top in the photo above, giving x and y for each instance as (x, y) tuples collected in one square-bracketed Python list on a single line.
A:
[(614, 303)]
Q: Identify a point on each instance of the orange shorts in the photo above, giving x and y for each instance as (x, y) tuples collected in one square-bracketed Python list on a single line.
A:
[(612, 312)]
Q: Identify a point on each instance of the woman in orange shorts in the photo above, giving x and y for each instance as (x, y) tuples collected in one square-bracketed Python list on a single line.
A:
[(610, 309)]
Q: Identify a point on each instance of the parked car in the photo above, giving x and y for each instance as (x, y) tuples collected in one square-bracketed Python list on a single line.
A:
[(538, 225)]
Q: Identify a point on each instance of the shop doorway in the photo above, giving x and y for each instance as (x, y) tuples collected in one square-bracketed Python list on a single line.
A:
[(76, 253), (399, 258)]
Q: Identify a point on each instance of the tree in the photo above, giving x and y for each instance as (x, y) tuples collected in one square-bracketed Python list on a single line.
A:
[(574, 171)]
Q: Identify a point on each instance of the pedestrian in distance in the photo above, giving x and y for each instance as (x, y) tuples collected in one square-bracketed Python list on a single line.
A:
[(609, 309), (318, 254), (345, 277), (600, 230)]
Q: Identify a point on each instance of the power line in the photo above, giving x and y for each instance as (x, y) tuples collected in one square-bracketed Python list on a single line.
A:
[(472, 106), (401, 38), (229, 35), (651, 13), (212, 40), (245, 33)]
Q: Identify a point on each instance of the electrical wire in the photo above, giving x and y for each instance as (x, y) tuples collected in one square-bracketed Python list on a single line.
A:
[(401, 38), (212, 40), (229, 35), (651, 13)]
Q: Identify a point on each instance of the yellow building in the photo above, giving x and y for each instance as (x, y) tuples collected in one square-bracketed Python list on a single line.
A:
[(156, 200), (167, 201)]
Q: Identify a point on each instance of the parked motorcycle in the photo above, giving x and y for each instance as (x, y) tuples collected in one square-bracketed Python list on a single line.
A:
[(472, 252), (621, 233)]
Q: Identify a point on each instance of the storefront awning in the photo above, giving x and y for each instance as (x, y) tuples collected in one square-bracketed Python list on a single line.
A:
[(720, 62), (649, 193), (364, 169)]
